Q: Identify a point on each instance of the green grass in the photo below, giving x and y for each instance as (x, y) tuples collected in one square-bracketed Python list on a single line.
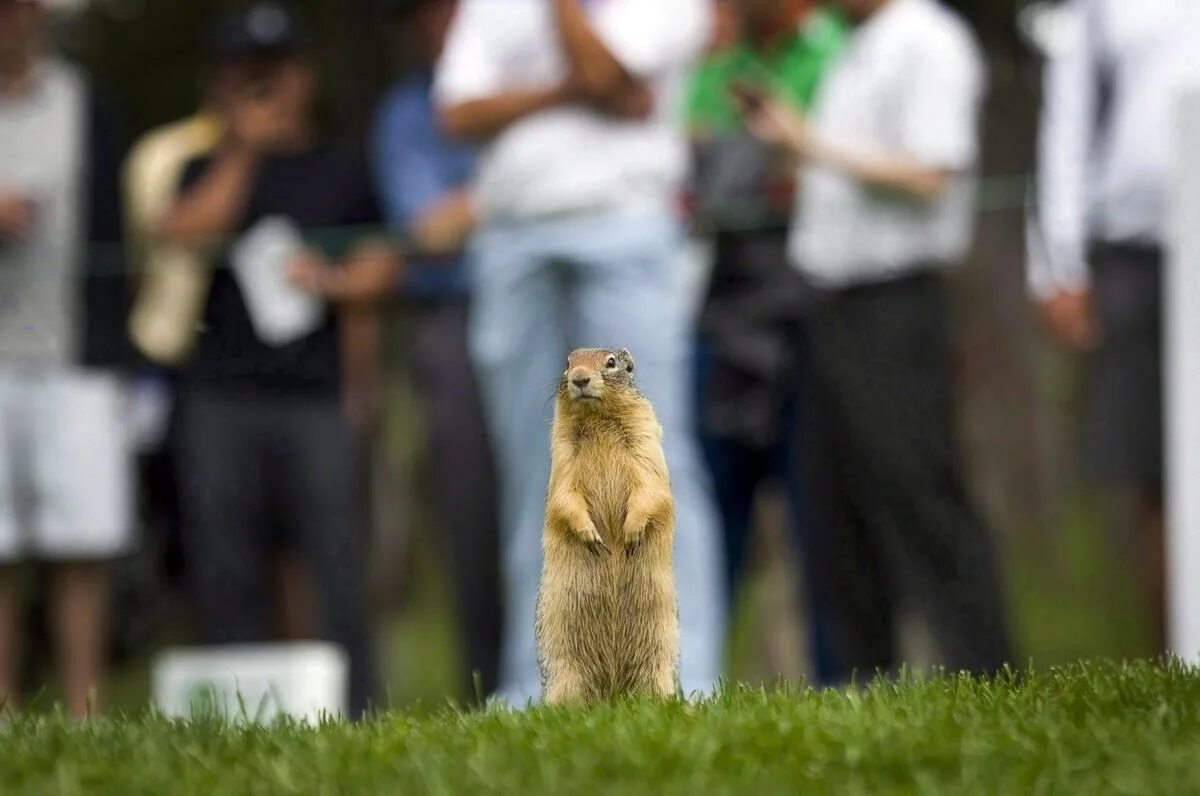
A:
[(1088, 728)]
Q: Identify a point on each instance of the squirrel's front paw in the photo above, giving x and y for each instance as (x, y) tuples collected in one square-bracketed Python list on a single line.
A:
[(591, 537), (632, 537)]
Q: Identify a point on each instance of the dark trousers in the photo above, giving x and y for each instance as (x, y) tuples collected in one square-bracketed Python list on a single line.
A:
[(251, 467), (892, 519), (752, 383), (739, 470), (1123, 419), (462, 482)]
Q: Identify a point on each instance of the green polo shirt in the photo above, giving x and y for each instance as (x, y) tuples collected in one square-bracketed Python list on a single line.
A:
[(791, 67)]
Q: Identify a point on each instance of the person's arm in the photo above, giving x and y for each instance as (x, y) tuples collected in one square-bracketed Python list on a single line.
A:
[(366, 275), (445, 227), (937, 126), (599, 72), (893, 171), (474, 102), (780, 124), (411, 185), (1057, 266), (1064, 142), (614, 59), (481, 119), (211, 208), (370, 271)]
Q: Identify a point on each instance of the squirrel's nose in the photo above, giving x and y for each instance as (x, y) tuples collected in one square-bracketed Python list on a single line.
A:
[(581, 381)]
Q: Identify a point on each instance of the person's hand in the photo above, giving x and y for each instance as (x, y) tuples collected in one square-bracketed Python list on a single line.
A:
[(777, 124), (17, 212), (634, 102), (1069, 319), (256, 121), (311, 273)]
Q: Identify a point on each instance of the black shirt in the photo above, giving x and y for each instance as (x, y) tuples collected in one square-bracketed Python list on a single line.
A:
[(106, 298), (329, 196)]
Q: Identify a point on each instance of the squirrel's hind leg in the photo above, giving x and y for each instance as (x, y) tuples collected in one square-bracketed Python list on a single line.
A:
[(663, 683), (564, 686)]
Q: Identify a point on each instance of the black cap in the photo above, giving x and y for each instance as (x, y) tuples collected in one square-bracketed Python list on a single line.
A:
[(262, 29)]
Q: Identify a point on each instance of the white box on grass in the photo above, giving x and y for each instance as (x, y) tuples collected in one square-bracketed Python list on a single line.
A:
[(258, 683)]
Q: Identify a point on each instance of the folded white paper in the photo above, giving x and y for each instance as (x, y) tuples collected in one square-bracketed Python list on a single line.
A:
[(279, 311)]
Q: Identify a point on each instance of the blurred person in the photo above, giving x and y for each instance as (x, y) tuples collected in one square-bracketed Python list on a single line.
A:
[(752, 363), (1097, 239), (887, 183), (267, 443), (576, 106), (172, 289), (424, 179), (65, 466)]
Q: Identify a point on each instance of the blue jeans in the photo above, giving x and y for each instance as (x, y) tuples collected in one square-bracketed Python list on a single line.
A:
[(604, 280)]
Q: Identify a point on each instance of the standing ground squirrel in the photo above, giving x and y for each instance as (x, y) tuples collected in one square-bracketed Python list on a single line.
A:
[(607, 620)]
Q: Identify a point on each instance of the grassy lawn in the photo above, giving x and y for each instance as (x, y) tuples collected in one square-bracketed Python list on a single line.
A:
[(1089, 728)]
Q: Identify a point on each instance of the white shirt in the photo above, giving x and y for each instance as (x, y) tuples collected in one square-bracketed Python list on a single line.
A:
[(909, 83), (572, 159), (1106, 176)]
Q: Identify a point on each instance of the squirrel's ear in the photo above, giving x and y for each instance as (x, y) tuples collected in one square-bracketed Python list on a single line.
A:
[(627, 358)]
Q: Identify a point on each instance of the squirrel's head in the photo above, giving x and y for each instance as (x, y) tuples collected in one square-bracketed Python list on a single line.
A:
[(594, 375)]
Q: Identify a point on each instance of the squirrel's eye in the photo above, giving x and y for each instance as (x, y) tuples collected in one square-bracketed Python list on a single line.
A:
[(612, 362)]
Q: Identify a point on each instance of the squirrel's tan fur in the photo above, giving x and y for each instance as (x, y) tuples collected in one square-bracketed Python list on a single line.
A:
[(607, 620)]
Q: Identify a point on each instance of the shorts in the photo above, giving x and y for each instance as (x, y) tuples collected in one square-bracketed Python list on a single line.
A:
[(1123, 420), (66, 469)]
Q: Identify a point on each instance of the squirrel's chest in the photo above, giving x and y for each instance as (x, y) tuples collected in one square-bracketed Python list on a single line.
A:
[(605, 480)]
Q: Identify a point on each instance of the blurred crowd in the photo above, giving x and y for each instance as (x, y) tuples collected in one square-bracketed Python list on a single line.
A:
[(527, 188)]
